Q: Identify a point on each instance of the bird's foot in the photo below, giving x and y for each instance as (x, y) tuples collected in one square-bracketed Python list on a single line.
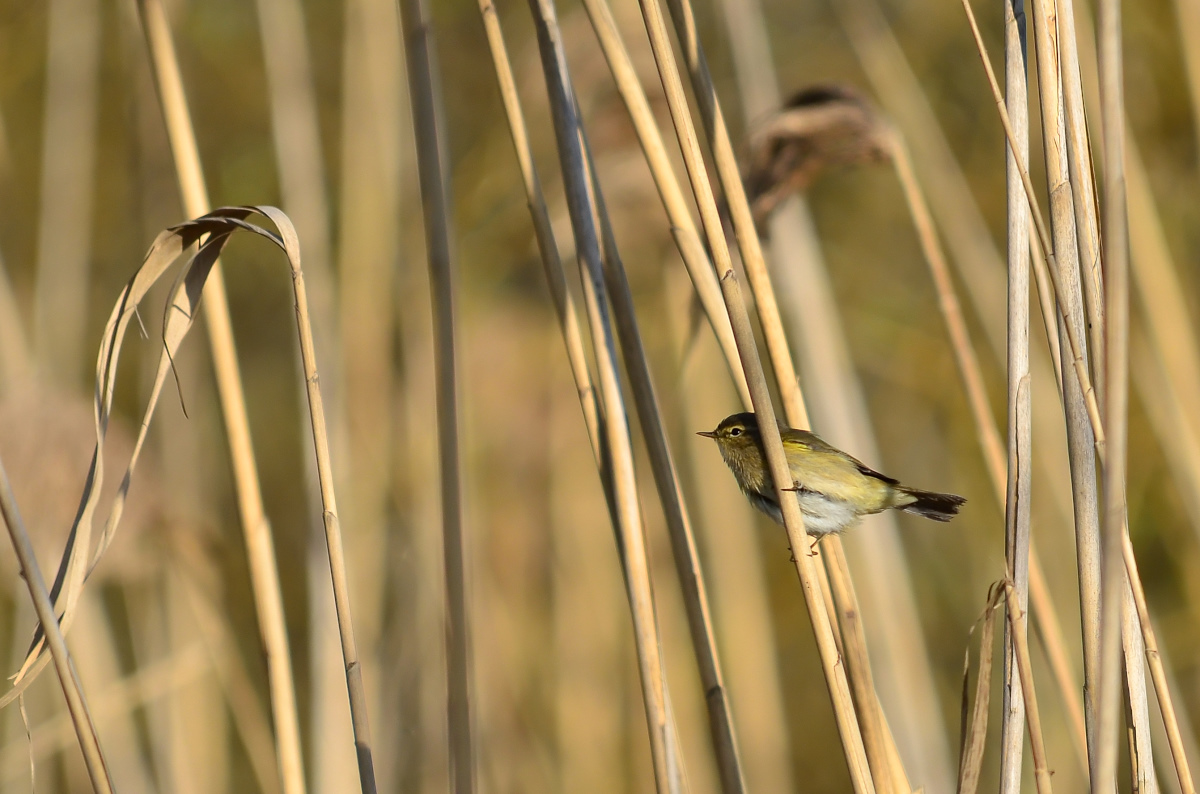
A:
[(812, 550)]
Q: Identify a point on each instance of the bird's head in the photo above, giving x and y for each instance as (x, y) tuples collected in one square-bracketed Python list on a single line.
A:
[(736, 436)]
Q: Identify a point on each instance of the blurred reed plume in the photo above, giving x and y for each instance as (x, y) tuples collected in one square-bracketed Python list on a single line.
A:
[(818, 128), (979, 280)]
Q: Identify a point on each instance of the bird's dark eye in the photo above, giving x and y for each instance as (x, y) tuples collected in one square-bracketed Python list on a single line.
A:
[(735, 432)]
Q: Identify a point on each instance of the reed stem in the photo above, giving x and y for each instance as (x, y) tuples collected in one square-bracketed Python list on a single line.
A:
[(584, 211), (85, 728), (260, 547), (1116, 363), (428, 124)]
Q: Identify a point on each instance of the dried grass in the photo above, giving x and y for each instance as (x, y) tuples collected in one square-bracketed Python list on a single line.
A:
[(167, 630)]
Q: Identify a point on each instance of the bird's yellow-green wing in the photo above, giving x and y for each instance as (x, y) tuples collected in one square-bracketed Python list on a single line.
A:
[(819, 466)]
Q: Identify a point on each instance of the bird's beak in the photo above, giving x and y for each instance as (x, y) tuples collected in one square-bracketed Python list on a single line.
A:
[(707, 433)]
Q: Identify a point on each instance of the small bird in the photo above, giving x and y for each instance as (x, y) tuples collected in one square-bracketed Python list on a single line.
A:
[(834, 490)]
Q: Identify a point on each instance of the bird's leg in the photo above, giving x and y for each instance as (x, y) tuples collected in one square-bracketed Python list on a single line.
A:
[(813, 540)]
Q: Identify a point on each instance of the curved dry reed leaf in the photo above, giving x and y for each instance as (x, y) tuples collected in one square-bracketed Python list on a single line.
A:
[(207, 235)]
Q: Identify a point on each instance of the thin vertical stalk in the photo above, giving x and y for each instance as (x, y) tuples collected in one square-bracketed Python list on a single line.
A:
[(973, 734), (333, 531), (1164, 394), (260, 548), (730, 181), (1042, 236), (683, 227), (737, 569), (679, 526), (1083, 186), (1046, 306), (1046, 272), (85, 729), (632, 544), (956, 326), (1081, 439), (666, 479), (886, 771), (902, 679), (428, 126), (1137, 696), (564, 303), (835, 676), (1033, 580), (1116, 237), (1019, 488), (978, 264), (1017, 616), (296, 134), (376, 156), (1157, 673)]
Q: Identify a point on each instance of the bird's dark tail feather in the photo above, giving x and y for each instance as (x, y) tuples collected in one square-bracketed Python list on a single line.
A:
[(938, 506)]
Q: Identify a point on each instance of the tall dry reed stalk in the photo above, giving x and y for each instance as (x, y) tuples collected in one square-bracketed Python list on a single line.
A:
[(85, 728), (978, 264), (427, 115), (305, 197), (1112, 592), (374, 160), (1116, 365), (834, 395), (1019, 489), (760, 396), (1019, 633), (556, 699), (1064, 270), (585, 213), (260, 547)]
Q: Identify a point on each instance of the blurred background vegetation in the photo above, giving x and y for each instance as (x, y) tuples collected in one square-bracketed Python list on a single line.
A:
[(166, 644)]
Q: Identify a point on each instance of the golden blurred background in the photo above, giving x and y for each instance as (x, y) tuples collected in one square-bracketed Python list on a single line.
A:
[(304, 105)]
